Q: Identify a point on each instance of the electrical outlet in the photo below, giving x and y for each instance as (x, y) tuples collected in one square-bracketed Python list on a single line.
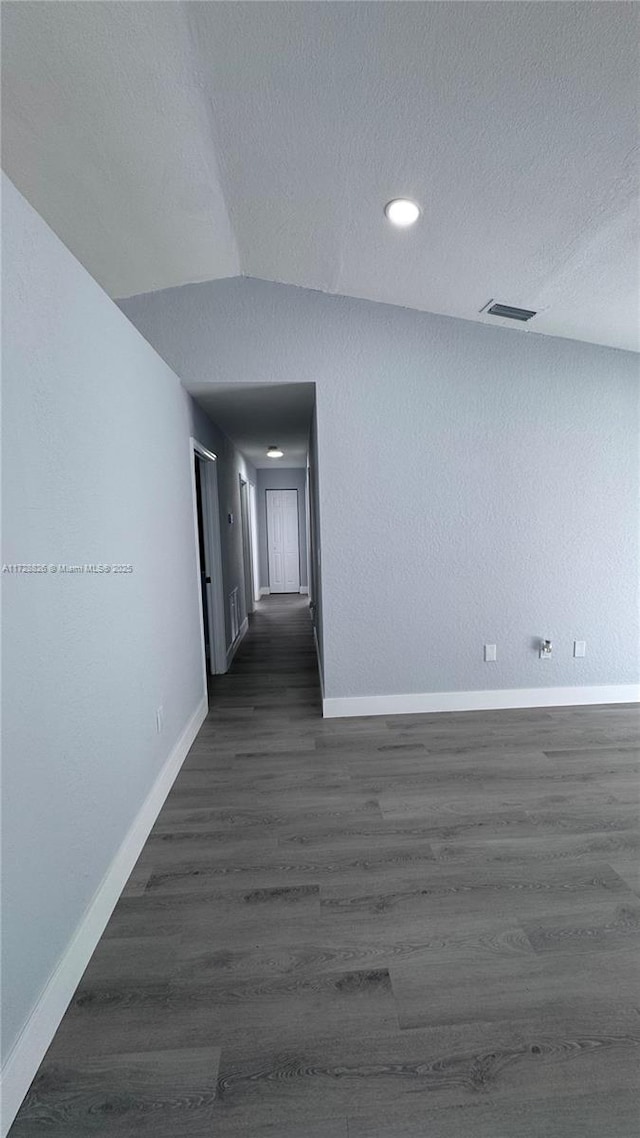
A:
[(546, 648), (160, 719), (490, 653)]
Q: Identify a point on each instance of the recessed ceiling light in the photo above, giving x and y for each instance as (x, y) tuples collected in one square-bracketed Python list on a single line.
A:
[(402, 212), (274, 452)]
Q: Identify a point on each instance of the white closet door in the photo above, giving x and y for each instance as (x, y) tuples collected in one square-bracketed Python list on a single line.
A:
[(283, 541)]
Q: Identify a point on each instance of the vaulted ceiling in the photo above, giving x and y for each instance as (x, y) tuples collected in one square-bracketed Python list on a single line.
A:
[(175, 142)]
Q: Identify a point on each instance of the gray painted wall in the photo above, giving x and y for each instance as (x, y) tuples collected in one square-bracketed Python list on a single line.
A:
[(282, 478), (476, 484), (97, 468)]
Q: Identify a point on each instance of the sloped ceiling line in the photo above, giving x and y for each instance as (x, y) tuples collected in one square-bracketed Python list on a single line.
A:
[(176, 142)]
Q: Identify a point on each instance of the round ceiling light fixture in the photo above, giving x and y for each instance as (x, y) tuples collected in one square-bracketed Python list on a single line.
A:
[(402, 212), (274, 452)]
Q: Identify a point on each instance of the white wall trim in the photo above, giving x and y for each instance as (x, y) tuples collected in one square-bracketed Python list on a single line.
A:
[(265, 591), (231, 651), (304, 589), (420, 702), (30, 1047)]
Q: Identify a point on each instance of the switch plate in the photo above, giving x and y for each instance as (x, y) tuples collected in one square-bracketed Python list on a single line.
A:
[(160, 719), (579, 648), (490, 653)]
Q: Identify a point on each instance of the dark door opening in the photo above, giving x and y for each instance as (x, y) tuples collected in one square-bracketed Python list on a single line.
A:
[(204, 580)]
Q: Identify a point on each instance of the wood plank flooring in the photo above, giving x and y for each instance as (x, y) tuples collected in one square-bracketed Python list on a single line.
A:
[(415, 927)]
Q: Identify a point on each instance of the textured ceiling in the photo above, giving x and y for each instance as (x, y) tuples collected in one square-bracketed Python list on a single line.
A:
[(256, 415), (170, 142), (106, 132)]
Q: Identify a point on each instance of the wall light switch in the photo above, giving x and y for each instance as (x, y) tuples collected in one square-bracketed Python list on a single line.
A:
[(490, 653), (579, 648), (160, 719)]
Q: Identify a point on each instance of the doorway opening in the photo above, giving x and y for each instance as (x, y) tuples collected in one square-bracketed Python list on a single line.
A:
[(209, 559), (204, 578), (253, 417)]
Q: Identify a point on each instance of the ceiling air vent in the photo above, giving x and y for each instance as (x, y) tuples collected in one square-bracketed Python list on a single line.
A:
[(510, 312)]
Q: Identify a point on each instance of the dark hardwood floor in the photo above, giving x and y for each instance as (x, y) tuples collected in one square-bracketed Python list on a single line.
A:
[(418, 927)]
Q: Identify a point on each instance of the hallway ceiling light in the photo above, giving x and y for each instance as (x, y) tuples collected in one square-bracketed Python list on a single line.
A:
[(274, 452), (402, 212)]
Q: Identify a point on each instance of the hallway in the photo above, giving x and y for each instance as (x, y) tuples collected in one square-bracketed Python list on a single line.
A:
[(366, 928)]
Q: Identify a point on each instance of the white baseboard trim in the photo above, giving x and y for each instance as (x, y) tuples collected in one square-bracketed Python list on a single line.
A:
[(304, 589), (29, 1050), (264, 591), (318, 654), (415, 704), (244, 627)]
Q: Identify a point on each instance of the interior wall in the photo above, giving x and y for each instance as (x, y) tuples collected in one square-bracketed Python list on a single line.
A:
[(97, 470), (496, 489), (282, 478)]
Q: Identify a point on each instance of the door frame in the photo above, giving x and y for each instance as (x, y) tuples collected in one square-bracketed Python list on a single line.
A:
[(213, 556), (255, 544), (247, 550), (280, 490), (307, 535)]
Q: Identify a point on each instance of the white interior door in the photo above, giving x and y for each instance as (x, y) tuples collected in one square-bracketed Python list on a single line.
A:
[(283, 541), (253, 521)]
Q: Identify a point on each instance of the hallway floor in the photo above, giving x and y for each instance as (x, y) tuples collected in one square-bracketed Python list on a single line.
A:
[(417, 927)]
